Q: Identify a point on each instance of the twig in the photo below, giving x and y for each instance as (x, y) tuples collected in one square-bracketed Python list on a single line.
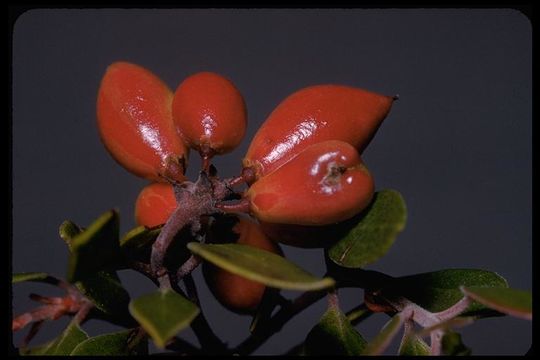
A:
[(358, 314), (188, 266), (207, 338), (275, 323), (191, 289), (174, 224)]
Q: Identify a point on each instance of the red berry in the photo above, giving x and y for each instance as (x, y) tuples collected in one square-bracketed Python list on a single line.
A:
[(314, 114), (237, 293), (209, 113), (154, 205), (326, 183), (135, 123)]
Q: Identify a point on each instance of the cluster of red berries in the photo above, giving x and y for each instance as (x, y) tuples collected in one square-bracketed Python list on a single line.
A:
[(303, 166)]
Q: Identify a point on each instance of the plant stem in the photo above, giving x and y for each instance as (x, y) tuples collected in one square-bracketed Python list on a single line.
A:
[(188, 266), (275, 323), (174, 224), (207, 338), (358, 314)]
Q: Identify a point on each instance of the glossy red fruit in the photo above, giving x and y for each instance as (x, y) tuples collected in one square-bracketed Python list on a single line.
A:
[(311, 115), (154, 205), (237, 293), (324, 184), (209, 113), (135, 123)]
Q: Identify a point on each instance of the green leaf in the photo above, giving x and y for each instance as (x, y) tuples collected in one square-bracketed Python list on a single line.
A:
[(375, 232), (163, 314), (259, 265), (106, 292), (513, 302), (385, 336), (334, 335), (29, 276), (139, 237), (68, 230), (72, 336), (452, 345), (413, 345), (438, 290), (94, 248), (121, 343)]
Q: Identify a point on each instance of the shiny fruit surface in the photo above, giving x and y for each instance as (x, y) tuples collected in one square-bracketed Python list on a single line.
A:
[(155, 204), (209, 113), (315, 114), (326, 183), (237, 293), (135, 122)]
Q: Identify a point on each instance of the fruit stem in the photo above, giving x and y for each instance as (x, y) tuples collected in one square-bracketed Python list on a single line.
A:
[(207, 154), (239, 207), (174, 224)]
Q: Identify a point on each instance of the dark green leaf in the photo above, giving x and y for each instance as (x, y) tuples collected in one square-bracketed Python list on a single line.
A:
[(139, 237), (72, 336), (334, 335), (452, 345), (385, 336), (121, 343), (508, 301), (375, 232), (94, 248), (106, 292), (29, 276), (413, 345), (68, 230), (259, 265), (163, 314), (438, 290)]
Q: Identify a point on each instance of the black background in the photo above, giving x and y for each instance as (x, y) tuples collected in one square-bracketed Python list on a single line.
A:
[(457, 144)]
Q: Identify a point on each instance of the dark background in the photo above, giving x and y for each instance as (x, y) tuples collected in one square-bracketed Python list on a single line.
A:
[(457, 144)]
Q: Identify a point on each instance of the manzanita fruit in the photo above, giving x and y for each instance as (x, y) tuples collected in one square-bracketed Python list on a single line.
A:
[(209, 113), (135, 123), (235, 292), (155, 203), (311, 115), (324, 184)]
